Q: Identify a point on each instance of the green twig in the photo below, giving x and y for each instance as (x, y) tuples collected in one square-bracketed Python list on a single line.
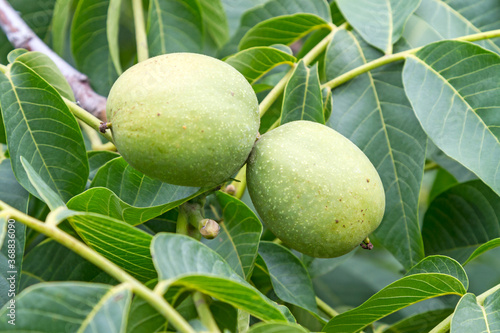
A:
[(140, 31), (431, 166), (204, 312), (398, 57), (157, 301), (182, 222), (87, 118), (326, 308)]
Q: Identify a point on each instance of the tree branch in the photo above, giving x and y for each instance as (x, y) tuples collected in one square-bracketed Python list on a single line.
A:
[(21, 36)]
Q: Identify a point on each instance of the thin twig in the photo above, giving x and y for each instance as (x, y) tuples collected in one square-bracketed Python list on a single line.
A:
[(20, 35)]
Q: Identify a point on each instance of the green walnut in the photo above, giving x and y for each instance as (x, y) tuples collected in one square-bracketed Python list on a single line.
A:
[(314, 189), (185, 119)]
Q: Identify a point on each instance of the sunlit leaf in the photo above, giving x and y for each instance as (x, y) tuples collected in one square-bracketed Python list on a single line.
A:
[(422, 322), (402, 293), (441, 264), (112, 32), (284, 29), (254, 62), (215, 21)]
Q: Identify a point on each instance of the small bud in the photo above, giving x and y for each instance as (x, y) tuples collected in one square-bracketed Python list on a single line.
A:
[(209, 229), (366, 244), (231, 189), (104, 126)]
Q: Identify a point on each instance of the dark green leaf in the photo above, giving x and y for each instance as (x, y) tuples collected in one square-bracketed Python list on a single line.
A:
[(470, 316), (51, 261), (290, 279), (17, 197), (225, 316), (186, 262), (112, 31), (380, 23), (126, 246), (60, 25), (41, 128), (253, 63), (215, 21), (320, 266), (37, 14), (443, 181), (284, 29), (69, 307), (99, 158), (174, 26), (402, 293), (337, 16), (238, 240), (277, 328), (89, 44), (373, 112), (235, 9), (459, 81), (272, 9), (303, 99), (441, 264), (327, 102), (422, 322), (460, 219)]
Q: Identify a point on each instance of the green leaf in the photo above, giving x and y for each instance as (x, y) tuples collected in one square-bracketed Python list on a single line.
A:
[(483, 248), (174, 26), (460, 219), (99, 158), (380, 22), (254, 62), (303, 99), (399, 294), (60, 25), (37, 14), (186, 262), (12, 56), (284, 29), (441, 264), (41, 128), (422, 322), (337, 17), (238, 240), (47, 70), (373, 112), (436, 20), (89, 44), (112, 32), (215, 20), (51, 261), (69, 307), (137, 189), (443, 181), (289, 277), (459, 81), (470, 316), (235, 9), (126, 246), (277, 328), (16, 196), (320, 266), (225, 316), (274, 8), (3, 136), (327, 102), (51, 198)]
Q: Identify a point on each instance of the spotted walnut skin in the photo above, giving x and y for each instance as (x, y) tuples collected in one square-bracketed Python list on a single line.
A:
[(186, 119), (314, 189)]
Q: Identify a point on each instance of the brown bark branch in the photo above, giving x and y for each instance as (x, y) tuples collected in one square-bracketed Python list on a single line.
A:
[(20, 35)]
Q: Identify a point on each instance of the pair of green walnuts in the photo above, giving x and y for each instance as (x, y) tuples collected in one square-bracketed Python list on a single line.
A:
[(192, 120)]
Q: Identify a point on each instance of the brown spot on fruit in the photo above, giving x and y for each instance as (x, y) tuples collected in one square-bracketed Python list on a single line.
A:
[(336, 221), (367, 180), (158, 114), (184, 127)]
